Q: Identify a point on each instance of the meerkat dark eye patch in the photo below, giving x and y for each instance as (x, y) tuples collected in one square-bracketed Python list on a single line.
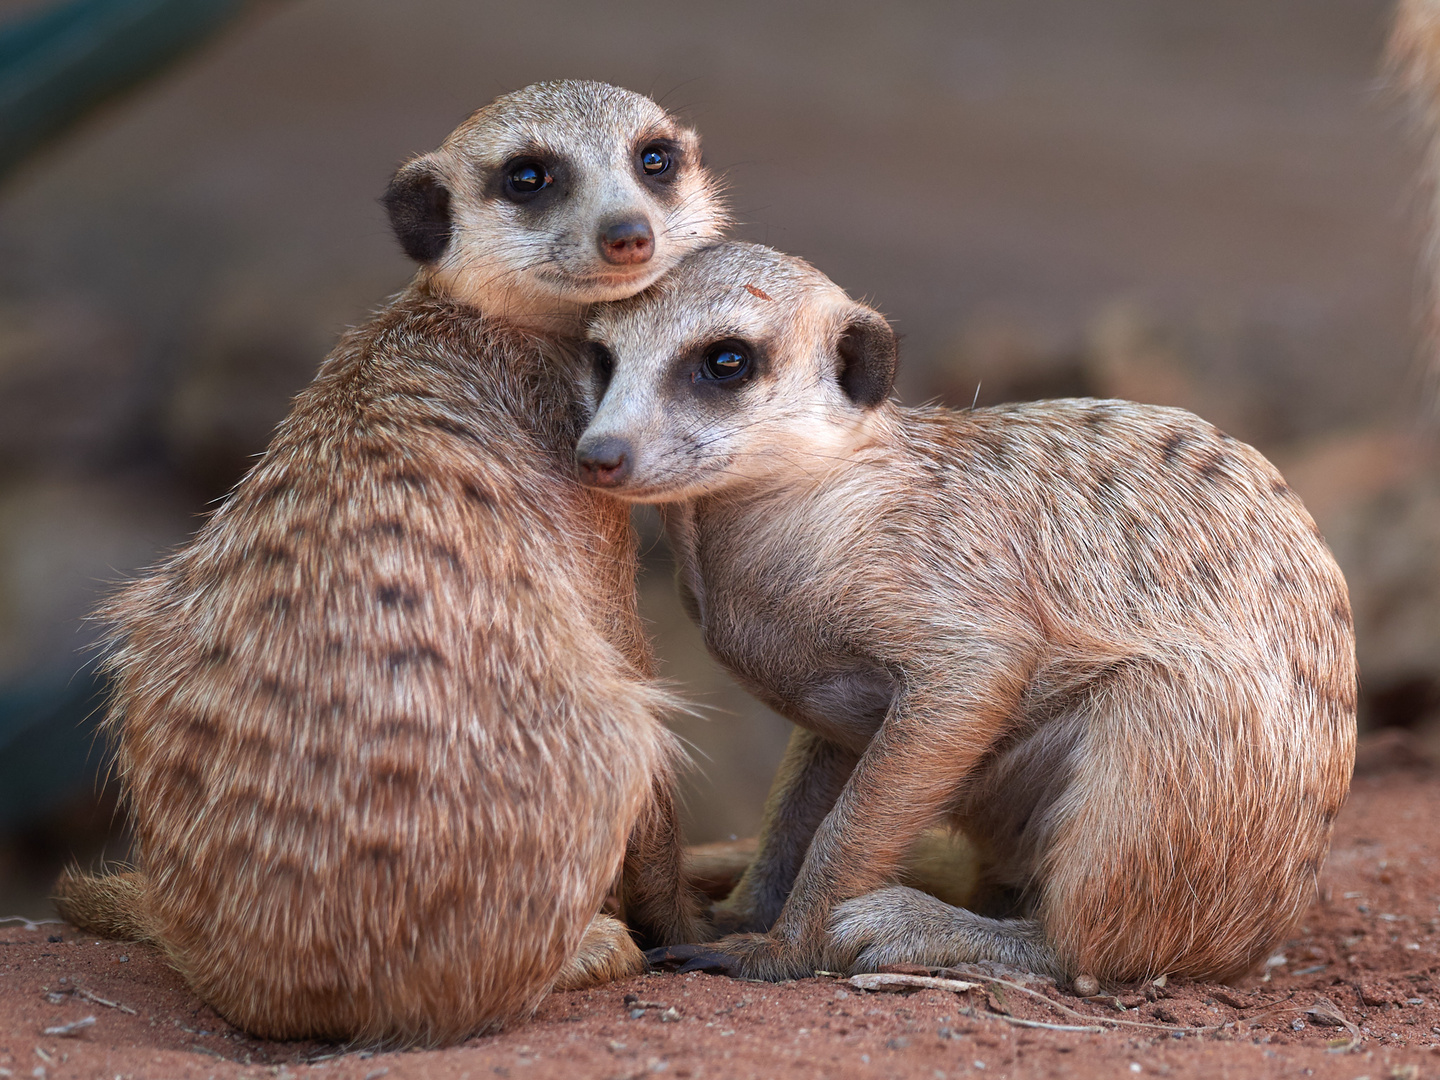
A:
[(868, 358), (602, 364), (725, 361), (418, 203)]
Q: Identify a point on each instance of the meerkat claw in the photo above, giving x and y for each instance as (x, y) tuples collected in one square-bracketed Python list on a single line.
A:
[(683, 958)]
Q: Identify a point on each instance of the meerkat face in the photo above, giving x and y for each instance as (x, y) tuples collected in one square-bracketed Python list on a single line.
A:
[(742, 364), (558, 195)]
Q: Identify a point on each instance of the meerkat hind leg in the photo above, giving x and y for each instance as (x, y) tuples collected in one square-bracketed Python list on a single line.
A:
[(900, 925)]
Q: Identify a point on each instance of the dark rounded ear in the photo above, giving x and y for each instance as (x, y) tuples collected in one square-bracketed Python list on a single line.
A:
[(418, 203), (868, 357)]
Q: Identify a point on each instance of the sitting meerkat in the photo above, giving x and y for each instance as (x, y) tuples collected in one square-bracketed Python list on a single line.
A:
[(1103, 639), (386, 726)]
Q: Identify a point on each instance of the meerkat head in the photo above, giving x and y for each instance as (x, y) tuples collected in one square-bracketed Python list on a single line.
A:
[(556, 196), (741, 364)]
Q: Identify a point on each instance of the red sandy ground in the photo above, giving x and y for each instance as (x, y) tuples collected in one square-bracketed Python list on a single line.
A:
[(1370, 947)]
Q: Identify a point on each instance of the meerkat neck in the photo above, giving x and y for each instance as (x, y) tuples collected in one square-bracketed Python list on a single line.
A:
[(525, 309)]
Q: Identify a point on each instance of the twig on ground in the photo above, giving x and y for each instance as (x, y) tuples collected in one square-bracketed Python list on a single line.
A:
[(70, 1030), (1326, 1011), (98, 1000), (1183, 1028), (1022, 1022), (892, 982), (29, 923), (958, 985)]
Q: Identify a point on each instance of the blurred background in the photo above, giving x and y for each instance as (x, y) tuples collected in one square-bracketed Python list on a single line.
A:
[(1209, 205)]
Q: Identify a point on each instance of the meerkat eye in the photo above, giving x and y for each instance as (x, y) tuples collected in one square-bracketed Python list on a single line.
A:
[(655, 160), (725, 360), (526, 176)]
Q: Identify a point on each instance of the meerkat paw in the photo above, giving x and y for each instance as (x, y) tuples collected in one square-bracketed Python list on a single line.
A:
[(606, 953), (899, 925), (740, 956)]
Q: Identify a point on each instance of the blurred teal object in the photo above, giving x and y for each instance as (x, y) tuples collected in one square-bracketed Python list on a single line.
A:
[(59, 62), (50, 749)]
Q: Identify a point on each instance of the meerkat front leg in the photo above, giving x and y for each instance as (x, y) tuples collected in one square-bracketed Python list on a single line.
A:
[(810, 778), (908, 776)]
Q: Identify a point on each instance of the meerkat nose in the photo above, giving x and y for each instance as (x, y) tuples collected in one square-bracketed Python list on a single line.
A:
[(627, 241), (604, 462)]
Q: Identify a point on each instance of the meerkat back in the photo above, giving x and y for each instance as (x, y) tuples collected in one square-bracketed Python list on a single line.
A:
[(383, 725)]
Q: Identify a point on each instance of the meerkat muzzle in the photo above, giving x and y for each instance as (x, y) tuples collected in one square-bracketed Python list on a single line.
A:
[(604, 462), (627, 242)]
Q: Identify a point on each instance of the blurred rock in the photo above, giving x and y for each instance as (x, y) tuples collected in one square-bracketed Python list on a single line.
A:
[(1237, 372), (999, 357), (1131, 354), (1376, 497), (70, 381), (65, 543), (235, 383)]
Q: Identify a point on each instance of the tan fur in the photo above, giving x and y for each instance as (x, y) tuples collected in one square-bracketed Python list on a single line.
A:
[(1104, 639), (607, 952), (112, 906), (386, 726)]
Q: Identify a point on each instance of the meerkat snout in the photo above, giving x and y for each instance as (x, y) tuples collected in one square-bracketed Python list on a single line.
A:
[(604, 461), (627, 242)]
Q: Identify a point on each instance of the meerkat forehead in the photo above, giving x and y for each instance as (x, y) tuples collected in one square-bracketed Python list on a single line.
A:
[(566, 118), (730, 289)]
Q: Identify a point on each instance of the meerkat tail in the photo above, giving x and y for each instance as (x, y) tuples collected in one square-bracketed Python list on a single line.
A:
[(110, 905), (606, 953), (900, 925)]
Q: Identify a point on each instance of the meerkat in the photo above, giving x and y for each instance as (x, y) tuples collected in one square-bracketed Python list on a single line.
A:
[(1102, 639), (386, 726)]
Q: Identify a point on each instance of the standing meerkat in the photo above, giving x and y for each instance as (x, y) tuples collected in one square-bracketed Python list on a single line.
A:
[(386, 726), (1103, 639)]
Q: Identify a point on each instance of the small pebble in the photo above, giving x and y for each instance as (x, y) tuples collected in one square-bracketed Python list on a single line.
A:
[(1086, 985)]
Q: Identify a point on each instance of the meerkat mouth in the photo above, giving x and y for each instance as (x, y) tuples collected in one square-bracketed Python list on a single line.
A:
[(599, 280)]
